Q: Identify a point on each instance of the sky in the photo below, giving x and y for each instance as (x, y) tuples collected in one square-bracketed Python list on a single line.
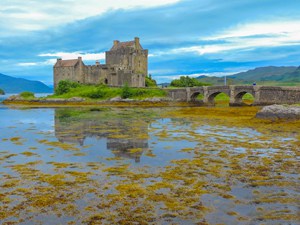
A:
[(184, 37)]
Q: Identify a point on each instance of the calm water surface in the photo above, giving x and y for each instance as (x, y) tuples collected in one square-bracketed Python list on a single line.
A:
[(143, 166)]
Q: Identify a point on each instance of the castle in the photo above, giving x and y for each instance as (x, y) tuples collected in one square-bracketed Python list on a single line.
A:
[(126, 63)]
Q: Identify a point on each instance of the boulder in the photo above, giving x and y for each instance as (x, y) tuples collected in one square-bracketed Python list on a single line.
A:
[(279, 112)]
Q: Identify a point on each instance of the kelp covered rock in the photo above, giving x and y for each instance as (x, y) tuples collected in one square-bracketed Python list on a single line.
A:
[(279, 112)]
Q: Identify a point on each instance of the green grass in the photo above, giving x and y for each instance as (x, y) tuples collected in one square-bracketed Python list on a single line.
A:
[(104, 92)]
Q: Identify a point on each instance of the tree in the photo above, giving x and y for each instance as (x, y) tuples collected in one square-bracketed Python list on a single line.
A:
[(186, 81), (149, 82), (2, 92)]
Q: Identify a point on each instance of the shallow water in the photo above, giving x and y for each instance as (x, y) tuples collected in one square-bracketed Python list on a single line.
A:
[(146, 166)]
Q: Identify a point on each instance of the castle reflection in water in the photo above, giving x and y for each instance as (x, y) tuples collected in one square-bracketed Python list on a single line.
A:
[(121, 134)]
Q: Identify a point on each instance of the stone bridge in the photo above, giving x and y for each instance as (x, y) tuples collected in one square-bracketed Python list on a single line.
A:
[(263, 95)]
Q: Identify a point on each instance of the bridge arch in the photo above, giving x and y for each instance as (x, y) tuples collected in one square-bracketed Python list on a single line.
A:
[(195, 95), (238, 97), (211, 92), (211, 97)]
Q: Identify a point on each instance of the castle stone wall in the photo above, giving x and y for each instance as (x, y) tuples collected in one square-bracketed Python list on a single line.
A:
[(74, 73), (96, 74), (126, 63)]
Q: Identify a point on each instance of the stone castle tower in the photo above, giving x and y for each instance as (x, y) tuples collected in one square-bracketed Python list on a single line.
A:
[(126, 63)]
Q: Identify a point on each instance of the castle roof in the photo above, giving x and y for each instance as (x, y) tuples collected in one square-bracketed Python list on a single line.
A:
[(66, 63), (135, 44)]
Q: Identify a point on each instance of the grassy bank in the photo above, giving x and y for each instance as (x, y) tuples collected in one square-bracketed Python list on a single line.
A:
[(102, 92)]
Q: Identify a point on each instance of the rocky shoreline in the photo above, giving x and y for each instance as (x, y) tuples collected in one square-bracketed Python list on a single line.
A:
[(78, 101), (289, 112)]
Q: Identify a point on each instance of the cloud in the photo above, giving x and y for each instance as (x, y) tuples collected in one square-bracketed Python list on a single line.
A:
[(32, 15), (64, 56), (247, 37), (27, 64), (247, 42), (75, 55), (289, 29), (183, 37)]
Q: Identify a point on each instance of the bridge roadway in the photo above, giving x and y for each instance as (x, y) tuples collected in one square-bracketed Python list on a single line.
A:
[(263, 95)]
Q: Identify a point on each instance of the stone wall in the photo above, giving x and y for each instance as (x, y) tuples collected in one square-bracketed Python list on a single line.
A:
[(128, 59), (179, 94), (73, 73), (96, 74), (263, 95), (277, 95)]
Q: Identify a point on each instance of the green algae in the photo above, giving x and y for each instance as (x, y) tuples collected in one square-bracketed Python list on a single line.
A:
[(115, 192)]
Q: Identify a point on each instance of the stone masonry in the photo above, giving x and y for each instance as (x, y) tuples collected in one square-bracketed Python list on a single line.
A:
[(263, 95), (126, 63)]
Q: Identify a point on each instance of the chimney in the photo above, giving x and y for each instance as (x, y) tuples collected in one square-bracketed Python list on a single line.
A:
[(97, 63), (136, 41), (58, 59), (79, 58), (116, 42)]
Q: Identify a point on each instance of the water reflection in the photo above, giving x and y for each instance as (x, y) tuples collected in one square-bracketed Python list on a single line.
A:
[(123, 138), (195, 168)]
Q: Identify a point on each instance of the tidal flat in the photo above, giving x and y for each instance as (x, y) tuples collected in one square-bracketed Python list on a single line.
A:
[(143, 165)]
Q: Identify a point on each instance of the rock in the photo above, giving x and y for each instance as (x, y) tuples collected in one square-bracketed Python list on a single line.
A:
[(116, 99), (54, 100), (157, 99), (128, 100), (279, 112), (76, 99), (119, 99), (14, 98)]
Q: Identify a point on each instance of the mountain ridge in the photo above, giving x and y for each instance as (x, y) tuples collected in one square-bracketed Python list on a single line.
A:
[(12, 84), (269, 75)]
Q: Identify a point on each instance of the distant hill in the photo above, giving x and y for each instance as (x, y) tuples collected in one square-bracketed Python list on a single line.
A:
[(16, 85), (271, 75), (264, 73)]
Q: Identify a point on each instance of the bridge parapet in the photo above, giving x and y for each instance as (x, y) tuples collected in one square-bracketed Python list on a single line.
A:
[(263, 95), (178, 94), (267, 95)]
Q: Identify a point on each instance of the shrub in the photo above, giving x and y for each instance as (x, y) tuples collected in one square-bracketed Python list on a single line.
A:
[(27, 94), (186, 81), (126, 92), (64, 86)]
